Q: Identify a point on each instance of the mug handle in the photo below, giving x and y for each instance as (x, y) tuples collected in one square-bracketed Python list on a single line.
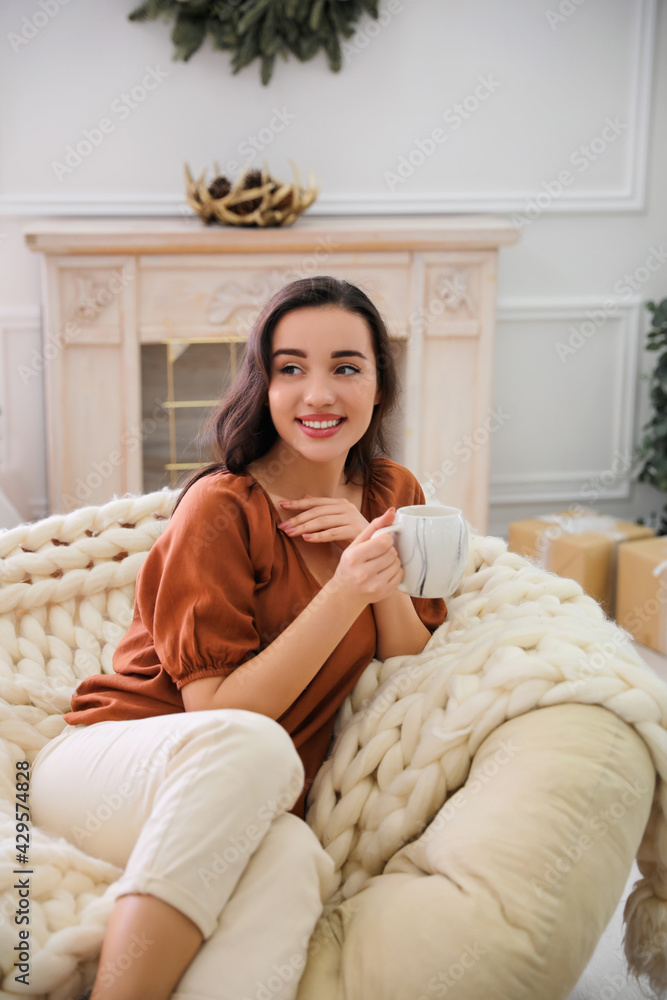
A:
[(387, 528), (396, 529)]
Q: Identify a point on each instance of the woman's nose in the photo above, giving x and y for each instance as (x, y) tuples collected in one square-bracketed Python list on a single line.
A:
[(319, 393)]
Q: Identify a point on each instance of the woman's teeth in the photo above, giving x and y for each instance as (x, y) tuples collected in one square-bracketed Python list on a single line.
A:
[(321, 423)]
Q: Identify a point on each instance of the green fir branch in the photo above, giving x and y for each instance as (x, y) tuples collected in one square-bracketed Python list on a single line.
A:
[(188, 34), (152, 9), (260, 29)]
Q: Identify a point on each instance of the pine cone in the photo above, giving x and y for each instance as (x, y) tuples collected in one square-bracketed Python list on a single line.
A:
[(219, 187), (252, 179)]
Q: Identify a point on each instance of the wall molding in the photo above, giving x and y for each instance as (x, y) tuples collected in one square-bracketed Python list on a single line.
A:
[(21, 316), (15, 320), (567, 485), (12, 318), (629, 197)]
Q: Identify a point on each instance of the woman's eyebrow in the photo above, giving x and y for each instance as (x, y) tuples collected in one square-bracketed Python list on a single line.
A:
[(295, 352)]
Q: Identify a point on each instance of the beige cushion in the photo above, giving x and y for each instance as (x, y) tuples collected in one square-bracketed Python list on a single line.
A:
[(509, 889)]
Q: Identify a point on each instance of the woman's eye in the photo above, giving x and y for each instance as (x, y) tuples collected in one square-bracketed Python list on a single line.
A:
[(283, 370)]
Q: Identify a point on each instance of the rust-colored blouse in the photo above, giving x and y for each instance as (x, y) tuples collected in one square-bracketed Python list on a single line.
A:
[(219, 585)]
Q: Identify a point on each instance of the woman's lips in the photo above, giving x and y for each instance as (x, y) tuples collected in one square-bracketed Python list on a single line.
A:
[(320, 432)]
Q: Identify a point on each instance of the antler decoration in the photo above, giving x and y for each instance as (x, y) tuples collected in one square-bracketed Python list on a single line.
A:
[(255, 199)]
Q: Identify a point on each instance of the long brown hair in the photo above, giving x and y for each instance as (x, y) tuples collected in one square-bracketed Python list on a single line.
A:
[(241, 430)]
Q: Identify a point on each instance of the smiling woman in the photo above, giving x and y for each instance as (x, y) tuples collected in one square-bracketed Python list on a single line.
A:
[(249, 631), (320, 398)]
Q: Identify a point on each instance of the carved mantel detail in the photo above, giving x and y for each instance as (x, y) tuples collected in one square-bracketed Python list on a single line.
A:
[(236, 297), (454, 289)]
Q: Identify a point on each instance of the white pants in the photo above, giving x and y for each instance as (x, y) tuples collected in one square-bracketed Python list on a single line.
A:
[(194, 806)]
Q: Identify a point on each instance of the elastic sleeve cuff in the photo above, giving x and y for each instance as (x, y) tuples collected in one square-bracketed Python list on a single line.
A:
[(196, 674)]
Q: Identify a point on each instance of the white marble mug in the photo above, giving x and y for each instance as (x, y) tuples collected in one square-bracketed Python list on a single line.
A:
[(432, 544)]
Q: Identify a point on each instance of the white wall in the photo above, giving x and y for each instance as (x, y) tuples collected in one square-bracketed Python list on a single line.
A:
[(552, 82)]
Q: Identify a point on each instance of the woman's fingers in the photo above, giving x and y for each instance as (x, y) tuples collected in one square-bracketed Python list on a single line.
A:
[(296, 520), (306, 501), (377, 522)]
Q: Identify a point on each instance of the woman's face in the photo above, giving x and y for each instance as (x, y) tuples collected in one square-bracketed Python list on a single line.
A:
[(307, 383)]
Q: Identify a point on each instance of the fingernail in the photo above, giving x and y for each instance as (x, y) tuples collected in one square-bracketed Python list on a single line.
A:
[(284, 503)]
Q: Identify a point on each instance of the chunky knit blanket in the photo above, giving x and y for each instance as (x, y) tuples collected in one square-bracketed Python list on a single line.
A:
[(516, 638)]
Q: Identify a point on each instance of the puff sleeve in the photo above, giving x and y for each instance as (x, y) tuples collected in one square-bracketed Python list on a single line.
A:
[(431, 610), (195, 591)]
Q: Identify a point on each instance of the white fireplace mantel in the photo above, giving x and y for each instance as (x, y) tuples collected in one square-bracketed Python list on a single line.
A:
[(110, 286)]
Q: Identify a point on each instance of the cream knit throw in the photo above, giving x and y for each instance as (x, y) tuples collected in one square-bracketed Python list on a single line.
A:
[(516, 638)]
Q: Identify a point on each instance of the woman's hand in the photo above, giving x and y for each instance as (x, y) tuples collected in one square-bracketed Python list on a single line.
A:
[(369, 568), (323, 519)]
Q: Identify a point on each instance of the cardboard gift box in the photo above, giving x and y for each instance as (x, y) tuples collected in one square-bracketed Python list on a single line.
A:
[(582, 545), (642, 591)]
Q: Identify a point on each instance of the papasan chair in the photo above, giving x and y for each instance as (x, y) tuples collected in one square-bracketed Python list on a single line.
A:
[(484, 801)]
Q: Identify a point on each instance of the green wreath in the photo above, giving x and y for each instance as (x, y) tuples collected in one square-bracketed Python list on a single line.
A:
[(260, 29)]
